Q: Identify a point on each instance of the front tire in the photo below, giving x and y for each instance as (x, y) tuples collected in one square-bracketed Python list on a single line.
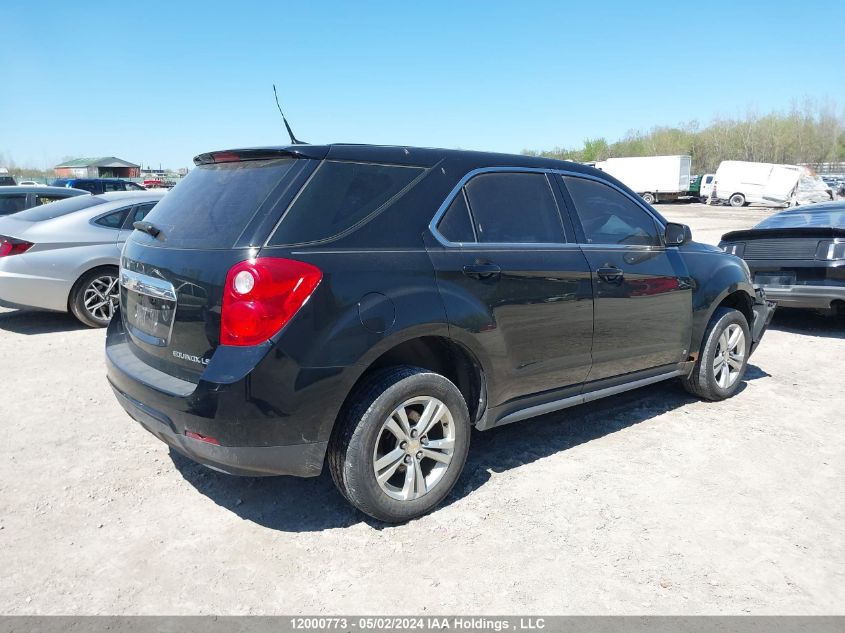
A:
[(95, 296), (400, 443), (649, 198), (724, 356)]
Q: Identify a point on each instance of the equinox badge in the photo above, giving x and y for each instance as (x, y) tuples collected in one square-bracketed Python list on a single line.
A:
[(193, 359)]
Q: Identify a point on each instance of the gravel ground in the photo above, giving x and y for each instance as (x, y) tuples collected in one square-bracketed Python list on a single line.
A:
[(649, 502)]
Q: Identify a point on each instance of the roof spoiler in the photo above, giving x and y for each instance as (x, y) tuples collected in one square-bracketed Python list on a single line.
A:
[(261, 153)]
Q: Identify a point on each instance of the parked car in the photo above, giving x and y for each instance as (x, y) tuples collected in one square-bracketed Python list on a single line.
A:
[(798, 255), (64, 256), (98, 185), (18, 198), (6, 180), (29, 183), (369, 305)]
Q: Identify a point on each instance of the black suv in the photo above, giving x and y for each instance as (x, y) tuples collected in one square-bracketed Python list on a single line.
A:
[(373, 304)]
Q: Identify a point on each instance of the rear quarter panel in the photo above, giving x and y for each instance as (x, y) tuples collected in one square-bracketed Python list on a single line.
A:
[(368, 301)]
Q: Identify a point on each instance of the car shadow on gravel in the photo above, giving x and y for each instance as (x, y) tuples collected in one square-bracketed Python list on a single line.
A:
[(808, 322), (291, 504), (37, 322)]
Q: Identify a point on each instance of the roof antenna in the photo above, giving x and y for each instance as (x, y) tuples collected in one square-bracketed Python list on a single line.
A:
[(293, 139)]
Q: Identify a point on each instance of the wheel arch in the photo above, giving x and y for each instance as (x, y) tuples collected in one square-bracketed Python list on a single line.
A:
[(737, 296), (82, 272), (739, 300), (436, 353)]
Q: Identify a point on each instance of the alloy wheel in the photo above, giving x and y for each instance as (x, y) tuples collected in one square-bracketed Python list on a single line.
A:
[(729, 357), (101, 297), (414, 448)]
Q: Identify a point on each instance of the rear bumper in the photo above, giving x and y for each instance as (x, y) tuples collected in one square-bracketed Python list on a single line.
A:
[(764, 310), (301, 460), (19, 289), (275, 419), (801, 296)]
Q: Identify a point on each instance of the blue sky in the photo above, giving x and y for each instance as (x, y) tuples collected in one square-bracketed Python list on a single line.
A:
[(161, 82)]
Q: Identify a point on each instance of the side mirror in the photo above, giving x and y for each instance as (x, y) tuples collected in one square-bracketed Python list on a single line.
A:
[(677, 234)]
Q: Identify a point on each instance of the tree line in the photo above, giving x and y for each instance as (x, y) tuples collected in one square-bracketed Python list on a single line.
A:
[(811, 134)]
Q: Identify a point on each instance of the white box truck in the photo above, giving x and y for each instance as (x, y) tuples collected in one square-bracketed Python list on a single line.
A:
[(655, 178)]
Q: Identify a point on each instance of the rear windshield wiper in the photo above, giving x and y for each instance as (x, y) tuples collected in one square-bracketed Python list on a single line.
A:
[(147, 227)]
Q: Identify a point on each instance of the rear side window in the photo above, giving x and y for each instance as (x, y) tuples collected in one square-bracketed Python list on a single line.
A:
[(514, 208), (113, 220), (338, 196), (12, 204), (140, 212), (608, 216), (113, 186), (456, 225), (214, 203)]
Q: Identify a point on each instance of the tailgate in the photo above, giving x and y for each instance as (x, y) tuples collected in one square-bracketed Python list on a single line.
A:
[(170, 303)]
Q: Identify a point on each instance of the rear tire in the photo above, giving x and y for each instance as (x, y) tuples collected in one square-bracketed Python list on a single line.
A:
[(381, 459), (90, 292), (721, 363), (649, 198), (737, 200)]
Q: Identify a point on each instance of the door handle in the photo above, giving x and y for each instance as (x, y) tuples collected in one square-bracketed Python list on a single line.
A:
[(611, 274), (483, 271)]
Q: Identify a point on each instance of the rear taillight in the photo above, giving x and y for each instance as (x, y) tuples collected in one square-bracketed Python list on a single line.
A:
[(10, 246), (261, 296)]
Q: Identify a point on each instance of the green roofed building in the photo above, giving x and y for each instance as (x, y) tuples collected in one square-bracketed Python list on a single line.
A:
[(103, 167)]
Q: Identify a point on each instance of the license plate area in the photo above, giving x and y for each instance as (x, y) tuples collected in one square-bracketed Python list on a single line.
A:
[(775, 280), (149, 307)]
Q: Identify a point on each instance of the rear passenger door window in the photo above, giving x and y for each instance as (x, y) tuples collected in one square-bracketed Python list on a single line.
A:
[(456, 225), (113, 186), (610, 217), (514, 208)]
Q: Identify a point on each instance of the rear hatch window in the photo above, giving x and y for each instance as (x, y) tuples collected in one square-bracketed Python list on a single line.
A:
[(212, 205)]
